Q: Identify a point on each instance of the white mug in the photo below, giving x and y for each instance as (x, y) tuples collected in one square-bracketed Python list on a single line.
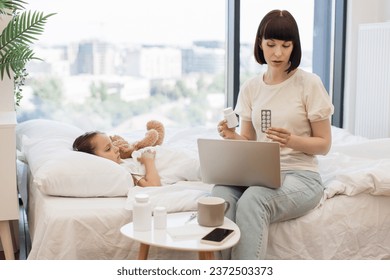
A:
[(211, 211)]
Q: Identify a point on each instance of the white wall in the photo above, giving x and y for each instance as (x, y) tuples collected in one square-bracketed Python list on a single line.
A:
[(359, 11)]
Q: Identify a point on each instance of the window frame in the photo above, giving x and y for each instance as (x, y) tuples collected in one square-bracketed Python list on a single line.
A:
[(232, 84), (340, 27)]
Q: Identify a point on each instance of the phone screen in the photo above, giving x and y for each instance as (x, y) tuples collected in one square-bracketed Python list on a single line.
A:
[(218, 234)]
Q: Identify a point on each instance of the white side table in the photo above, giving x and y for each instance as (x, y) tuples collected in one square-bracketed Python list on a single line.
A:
[(188, 241)]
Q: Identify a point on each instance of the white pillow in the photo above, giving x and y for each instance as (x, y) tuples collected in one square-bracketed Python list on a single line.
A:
[(79, 174), (39, 151), (59, 171), (45, 129)]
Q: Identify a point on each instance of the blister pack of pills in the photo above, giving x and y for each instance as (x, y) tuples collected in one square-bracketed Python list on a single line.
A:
[(265, 120)]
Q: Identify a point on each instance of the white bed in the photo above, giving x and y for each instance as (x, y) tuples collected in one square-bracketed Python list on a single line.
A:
[(77, 206)]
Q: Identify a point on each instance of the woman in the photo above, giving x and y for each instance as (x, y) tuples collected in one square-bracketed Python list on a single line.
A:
[(99, 144), (298, 109)]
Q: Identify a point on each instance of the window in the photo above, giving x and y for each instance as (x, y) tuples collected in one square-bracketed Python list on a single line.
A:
[(115, 67)]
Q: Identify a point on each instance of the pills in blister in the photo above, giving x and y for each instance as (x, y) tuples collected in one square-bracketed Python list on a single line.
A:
[(265, 120)]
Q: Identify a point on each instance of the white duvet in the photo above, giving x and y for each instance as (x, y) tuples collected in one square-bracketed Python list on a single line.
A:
[(173, 164), (357, 168)]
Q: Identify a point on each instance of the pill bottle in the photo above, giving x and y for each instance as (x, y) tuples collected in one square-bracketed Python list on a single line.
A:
[(142, 213), (160, 217), (231, 117)]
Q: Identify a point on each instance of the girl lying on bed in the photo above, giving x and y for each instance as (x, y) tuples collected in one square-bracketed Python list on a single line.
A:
[(99, 144)]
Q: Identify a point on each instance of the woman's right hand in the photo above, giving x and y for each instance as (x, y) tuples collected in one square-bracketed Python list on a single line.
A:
[(224, 131)]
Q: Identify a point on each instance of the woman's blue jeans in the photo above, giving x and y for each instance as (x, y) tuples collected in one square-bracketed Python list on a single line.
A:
[(254, 208)]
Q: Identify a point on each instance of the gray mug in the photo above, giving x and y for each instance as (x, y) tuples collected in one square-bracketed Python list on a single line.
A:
[(211, 211)]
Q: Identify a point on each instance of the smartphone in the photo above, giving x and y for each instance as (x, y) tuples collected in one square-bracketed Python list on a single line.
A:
[(217, 236)]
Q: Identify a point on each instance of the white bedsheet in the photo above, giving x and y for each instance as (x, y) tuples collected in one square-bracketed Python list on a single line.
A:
[(77, 228), (343, 228)]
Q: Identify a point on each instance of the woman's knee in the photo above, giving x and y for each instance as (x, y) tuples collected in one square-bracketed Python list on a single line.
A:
[(219, 191), (254, 199), (230, 194)]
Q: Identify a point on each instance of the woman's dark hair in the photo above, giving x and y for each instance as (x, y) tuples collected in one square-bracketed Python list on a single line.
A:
[(84, 142), (280, 25)]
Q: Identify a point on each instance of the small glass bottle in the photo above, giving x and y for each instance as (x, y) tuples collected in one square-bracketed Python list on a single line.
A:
[(142, 213), (160, 217), (231, 117)]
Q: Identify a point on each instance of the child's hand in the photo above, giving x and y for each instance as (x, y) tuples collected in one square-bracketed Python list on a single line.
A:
[(146, 156)]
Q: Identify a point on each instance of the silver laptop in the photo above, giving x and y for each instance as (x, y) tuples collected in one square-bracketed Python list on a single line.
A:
[(239, 163)]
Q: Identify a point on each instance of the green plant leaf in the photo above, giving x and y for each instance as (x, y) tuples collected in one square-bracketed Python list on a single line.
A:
[(16, 59), (11, 5), (15, 39)]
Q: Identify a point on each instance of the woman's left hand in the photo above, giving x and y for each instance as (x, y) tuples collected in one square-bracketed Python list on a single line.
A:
[(280, 135)]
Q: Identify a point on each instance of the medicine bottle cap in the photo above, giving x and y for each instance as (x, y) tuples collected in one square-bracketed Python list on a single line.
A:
[(159, 210), (142, 197), (228, 111)]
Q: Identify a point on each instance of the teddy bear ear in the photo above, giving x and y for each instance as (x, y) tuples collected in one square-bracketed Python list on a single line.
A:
[(125, 149), (150, 139), (159, 127)]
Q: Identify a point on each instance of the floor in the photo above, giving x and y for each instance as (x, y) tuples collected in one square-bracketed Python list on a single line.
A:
[(24, 237)]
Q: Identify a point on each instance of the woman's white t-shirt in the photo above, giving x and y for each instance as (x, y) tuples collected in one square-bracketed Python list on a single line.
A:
[(294, 104)]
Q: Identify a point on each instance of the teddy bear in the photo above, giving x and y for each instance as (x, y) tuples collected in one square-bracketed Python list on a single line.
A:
[(154, 136)]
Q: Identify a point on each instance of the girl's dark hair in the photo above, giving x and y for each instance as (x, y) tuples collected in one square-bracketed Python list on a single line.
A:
[(280, 25), (84, 142)]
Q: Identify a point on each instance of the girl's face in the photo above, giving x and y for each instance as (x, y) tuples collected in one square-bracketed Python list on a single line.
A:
[(277, 53), (105, 148)]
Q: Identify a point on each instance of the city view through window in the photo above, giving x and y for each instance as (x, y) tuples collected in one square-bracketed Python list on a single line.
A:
[(114, 68)]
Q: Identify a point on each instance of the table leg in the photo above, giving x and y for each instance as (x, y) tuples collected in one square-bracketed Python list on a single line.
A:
[(206, 255), (6, 240), (143, 251)]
